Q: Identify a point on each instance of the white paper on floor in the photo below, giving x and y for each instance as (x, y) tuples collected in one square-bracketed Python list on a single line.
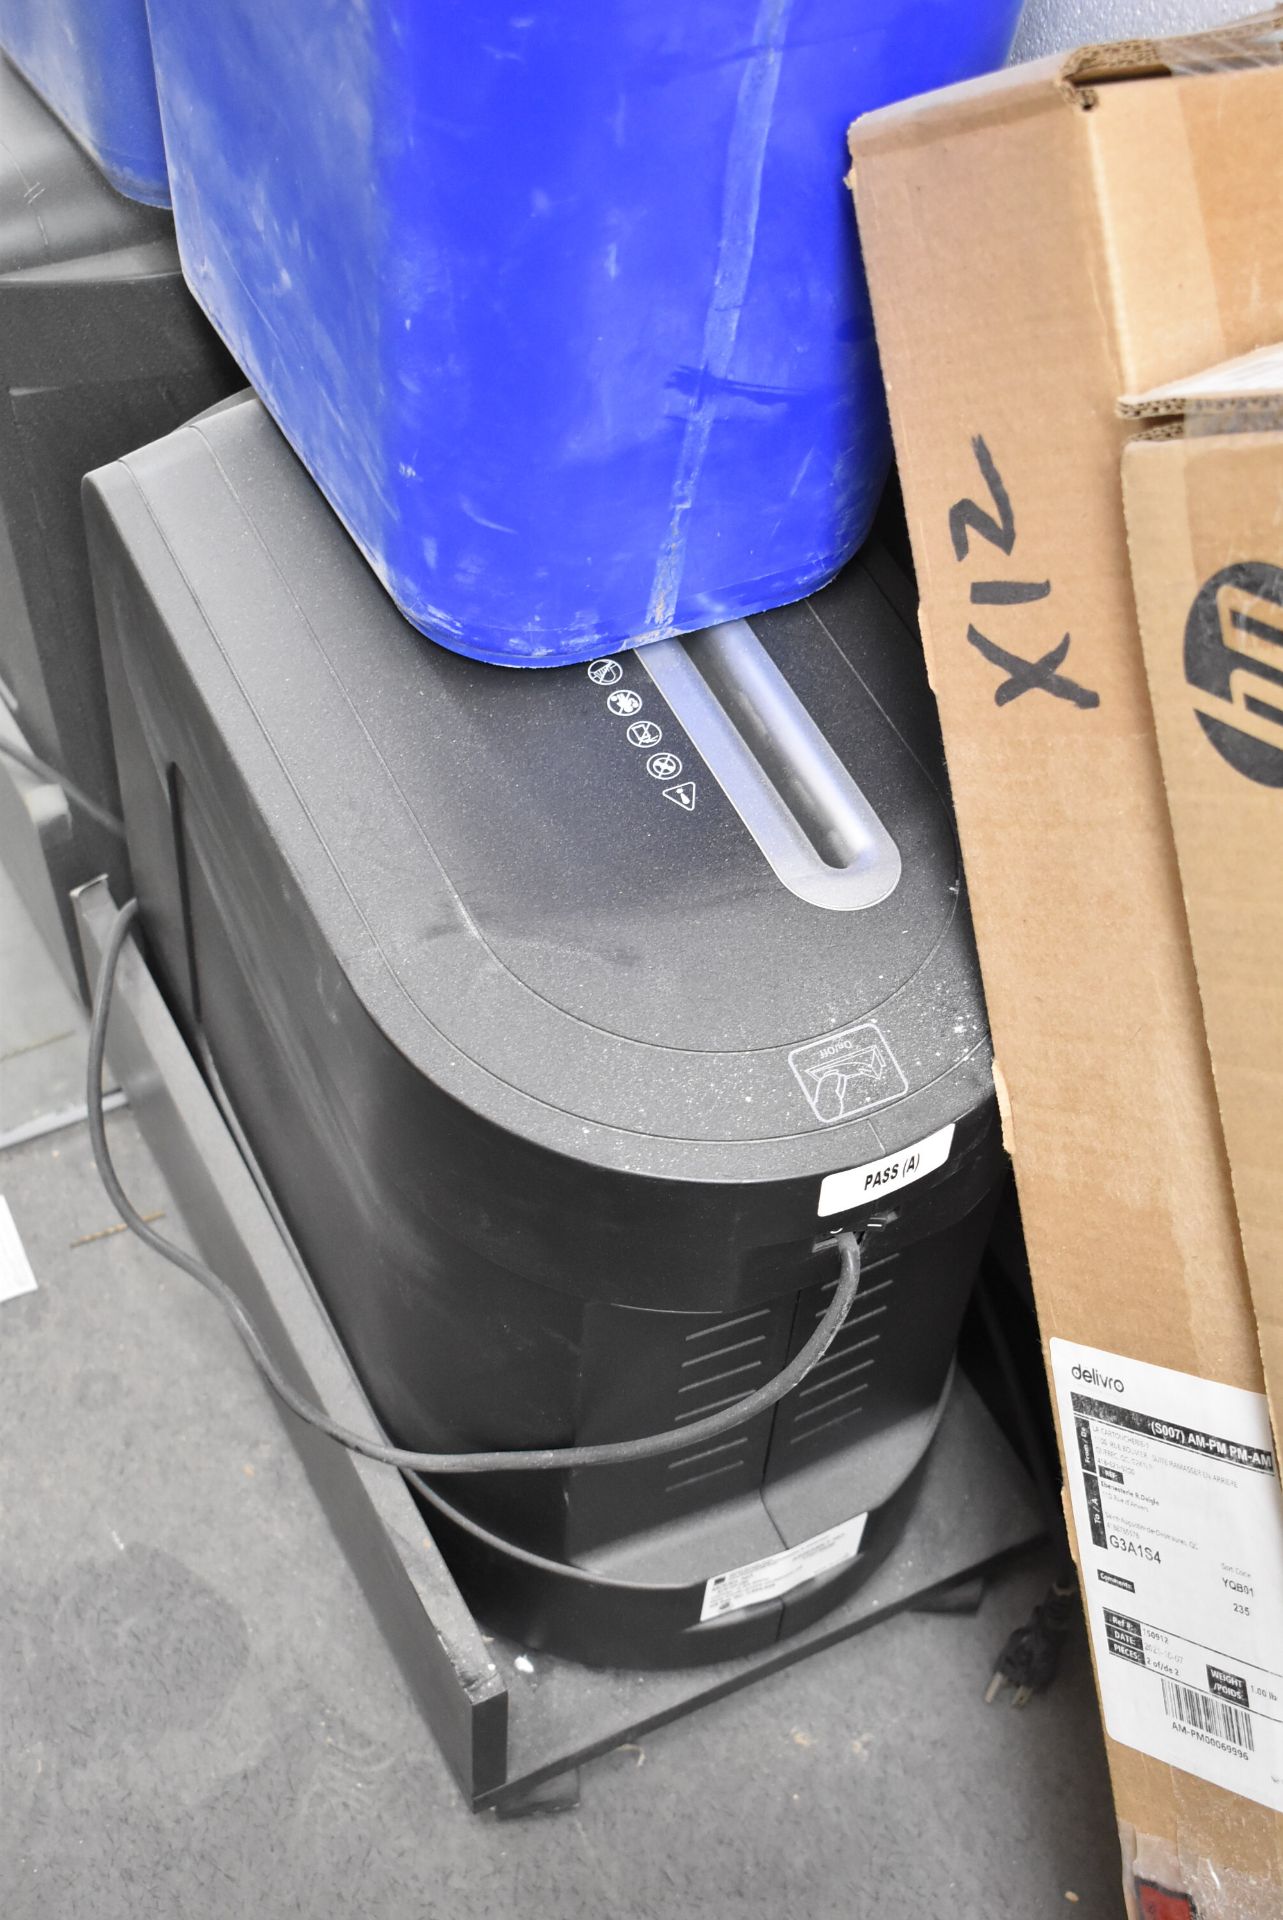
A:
[(15, 1269)]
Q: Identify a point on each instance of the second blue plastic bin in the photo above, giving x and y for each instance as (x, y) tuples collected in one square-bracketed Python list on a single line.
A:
[(559, 300), (90, 60)]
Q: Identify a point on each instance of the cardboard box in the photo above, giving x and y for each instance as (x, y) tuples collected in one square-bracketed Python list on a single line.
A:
[(1038, 243), (1204, 502)]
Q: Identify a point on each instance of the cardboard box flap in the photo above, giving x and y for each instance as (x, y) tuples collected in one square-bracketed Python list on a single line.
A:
[(969, 105), (1252, 381), (1254, 42), (1176, 233), (1074, 79), (1243, 394)]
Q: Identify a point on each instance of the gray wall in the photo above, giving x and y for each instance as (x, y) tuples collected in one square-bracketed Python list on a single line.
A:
[(1049, 26)]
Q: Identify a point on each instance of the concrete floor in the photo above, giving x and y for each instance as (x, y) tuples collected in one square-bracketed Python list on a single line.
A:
[(198, 1718)]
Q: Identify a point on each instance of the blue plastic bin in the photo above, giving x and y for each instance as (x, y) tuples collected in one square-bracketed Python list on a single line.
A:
[(559, 300), (90, 60)]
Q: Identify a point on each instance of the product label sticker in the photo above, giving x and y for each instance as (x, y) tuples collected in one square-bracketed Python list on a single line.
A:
[(779, 1573), (1177, 1505), (856, 1186), (15, 1269)]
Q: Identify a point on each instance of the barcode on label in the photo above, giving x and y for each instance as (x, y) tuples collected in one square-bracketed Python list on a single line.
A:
[(1217, 1717)]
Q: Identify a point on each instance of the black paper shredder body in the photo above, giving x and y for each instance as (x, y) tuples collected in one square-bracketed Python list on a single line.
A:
[(566, 1014)]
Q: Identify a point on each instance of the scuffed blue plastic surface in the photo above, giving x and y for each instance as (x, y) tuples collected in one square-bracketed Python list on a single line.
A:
[(90, 60), (559, 300)]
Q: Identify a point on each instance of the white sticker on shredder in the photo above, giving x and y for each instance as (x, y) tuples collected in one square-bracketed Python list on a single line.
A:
[(853, 1187), (1179, 1515), (779, 1573)]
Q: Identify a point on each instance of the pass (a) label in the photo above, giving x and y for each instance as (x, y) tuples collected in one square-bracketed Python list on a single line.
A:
[(856, 1186)]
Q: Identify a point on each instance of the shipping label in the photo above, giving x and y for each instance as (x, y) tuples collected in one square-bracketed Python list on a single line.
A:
[(1177, 1505)]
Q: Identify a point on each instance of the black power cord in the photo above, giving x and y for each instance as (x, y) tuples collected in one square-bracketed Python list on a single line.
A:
[(23, 757), (520, 1460), (1030, 1659)]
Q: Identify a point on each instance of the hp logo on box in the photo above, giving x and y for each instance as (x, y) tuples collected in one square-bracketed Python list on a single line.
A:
[(1234, 656)]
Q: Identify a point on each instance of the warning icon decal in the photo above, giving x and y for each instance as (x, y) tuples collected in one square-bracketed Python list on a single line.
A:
[(848, 1073), (682, 795)]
